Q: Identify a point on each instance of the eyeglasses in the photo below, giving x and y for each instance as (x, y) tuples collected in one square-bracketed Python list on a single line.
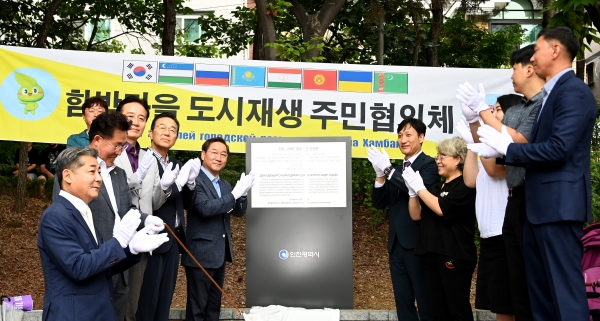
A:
[(118, 149), (163, 129), (440, 157)]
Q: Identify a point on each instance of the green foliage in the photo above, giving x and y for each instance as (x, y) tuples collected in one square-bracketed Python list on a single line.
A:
[(574, 15), (230, 37), (464, 44), (35, 188), (293, 48)]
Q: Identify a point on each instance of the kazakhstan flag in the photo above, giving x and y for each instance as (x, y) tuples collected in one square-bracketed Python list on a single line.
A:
[(248, 76)]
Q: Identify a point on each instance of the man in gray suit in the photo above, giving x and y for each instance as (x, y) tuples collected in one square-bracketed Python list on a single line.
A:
[(208, 233), (144, 184), (108, 134)]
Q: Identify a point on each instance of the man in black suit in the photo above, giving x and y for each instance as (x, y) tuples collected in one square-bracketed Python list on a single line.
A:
[(160, 274), (108, 134), (408, 279), (208, 234)]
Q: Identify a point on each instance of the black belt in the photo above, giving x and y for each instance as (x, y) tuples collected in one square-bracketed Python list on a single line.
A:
[(516, 191)]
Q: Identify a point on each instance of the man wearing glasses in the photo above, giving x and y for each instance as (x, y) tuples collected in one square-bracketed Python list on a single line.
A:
[(108, 134), (208, 235), (160, 275)]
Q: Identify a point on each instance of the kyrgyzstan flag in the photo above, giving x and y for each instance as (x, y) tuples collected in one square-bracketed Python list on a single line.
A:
[(320, 79)]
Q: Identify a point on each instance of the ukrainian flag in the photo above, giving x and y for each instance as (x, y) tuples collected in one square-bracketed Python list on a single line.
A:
[(247, 76), (355, 81)]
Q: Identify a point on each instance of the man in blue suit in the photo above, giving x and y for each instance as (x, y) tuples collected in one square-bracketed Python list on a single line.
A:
[(389, 190), (557, 180), (208, 233), (76, 261)]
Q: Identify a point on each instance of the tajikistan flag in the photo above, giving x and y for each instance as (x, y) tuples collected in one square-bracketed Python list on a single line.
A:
[(284, 78)]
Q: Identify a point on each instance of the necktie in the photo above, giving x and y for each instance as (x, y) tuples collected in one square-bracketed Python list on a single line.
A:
[(217, 186), (90, 222), (405, 165)]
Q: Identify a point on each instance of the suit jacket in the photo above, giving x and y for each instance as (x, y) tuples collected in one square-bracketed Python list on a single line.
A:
[(208, 223), (147, 196), (101, 207), (557, 158), (394, 194), (77, 270), (173, 207)]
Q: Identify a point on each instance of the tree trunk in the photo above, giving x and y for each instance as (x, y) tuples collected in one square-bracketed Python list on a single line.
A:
[(267, 27), (47, 22), (437, 20), (416, 21), (168, 36), (22, 180), (92, 36), (381, 23), (258, 48), (580, 66), (315, 25), (547, 15)]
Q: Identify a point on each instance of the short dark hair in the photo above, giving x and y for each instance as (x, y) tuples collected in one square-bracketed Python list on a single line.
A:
[(71, 158), (92, 101), (522, 56), (209, 142), (565, 36), (166, 114), (106, 124), (415, 123), (134, 99), (507, 101)]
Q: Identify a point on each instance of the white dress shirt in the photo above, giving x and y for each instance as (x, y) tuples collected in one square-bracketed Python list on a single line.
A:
[(107, 181)]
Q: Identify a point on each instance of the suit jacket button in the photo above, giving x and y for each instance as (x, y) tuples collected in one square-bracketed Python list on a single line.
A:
[(223, 235)]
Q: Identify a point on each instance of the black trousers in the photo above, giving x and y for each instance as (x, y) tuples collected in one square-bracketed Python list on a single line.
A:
[(158, 285), (512, 232), (449, 287), (120, 295), (203, 297), (408, 281)]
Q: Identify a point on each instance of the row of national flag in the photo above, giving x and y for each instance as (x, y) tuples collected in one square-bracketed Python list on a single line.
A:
[(269, 77)]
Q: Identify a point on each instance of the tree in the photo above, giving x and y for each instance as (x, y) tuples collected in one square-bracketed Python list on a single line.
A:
[(464, 44)]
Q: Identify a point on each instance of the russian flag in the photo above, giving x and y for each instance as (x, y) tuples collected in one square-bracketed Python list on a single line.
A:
[(215, 75)]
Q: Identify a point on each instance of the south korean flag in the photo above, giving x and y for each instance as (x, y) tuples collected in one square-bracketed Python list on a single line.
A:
[(140, 71)]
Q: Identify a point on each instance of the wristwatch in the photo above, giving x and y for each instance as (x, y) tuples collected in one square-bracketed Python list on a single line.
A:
[(388, 170)]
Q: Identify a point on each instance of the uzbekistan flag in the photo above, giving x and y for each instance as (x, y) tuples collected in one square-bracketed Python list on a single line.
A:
[(355, 81), (248, 76), (391, 82), (284, 78), (216, 75), (176, 73), (320, 79)]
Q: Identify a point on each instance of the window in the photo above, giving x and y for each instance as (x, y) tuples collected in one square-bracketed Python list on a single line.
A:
[(102, 33), (190, 27), (589, 71), (519, 12)]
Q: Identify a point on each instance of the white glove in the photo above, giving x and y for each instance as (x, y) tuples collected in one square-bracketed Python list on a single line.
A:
[(184, 173), (470, 115), (413, 179), (463, 129), (144, 165), (169, 177), (155, 223), (253, 181), (497, 140), (124, 230), (470, 97), (484, 150), (378, 172), (379, 159), (411, 192), (143, 242), (243, 185), (194, 171)]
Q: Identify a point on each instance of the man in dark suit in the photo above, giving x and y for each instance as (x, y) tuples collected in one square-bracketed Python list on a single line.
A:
[(77, 261), (406, 269), (557, 180), (160, 275), (208, 233), (108, 134)]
